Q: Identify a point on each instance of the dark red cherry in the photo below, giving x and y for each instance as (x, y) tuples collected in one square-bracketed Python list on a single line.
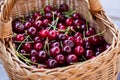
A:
[(79, 41), (37, 15), (77, 34), (42, 56), (51, 63), (99, 50), (38, 46), (76, 16), (79, 50), (19, 37), (48, 15), (88, 45), (60, 59), (89, 54), (78, 22), (46, 22), (55, 44), (27, 25), (71, 58), (71, 38), (22, 51), (48, 9), (95, 40), (33, 59), (54, 51), (37, 39), (33, 52), (27, 46), (83, 27), (67, 50), (68, 43), (18, 27), (32, 31), (63, 7), (52, 35), (69, 21), (43, 33), (61, 27), (61, 36), (38, 24)]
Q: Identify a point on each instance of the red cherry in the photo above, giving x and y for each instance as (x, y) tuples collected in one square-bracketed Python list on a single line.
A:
[(37, 39), (61, 27), (77, 34), (37, 15), (51, 63), (68, 43), (54, 51), (69, 21), (33, 59), (89, 54), (38, 46), (67, 50), (60, 59), (71, 58), (78, 22), (55, 44), (76, 16), (27, 25), (63, 7), (79, 41), (27, 46), (79, 50), (33, 52), (32, 31), (42, 56), (43, 33), (19, 37), (46, 22), (48, 9), (38, 24), (52, 35), (48, 15)]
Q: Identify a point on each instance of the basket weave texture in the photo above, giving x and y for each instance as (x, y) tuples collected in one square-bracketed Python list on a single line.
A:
[(106, 66)]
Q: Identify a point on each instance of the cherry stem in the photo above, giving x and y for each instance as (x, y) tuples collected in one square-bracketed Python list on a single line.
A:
[(28, 35), (69, 13), (67, 30), (84, 58), (61, 44), (84, 37), (53, 14), (87, 16), (22, 43)]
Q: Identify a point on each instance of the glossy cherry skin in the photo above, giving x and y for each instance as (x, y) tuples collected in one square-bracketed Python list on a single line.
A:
[(61, 36), (63, 7), (71, 58), (27, 46), (51, 63), (19, 37), (48, 15), (60, 59), (66, 50), (32, 31), (27, 25), (38, 46), (42, 56), (76, 16), (36, 15), (78, 22), (38, 24), (89, 54), (22, 51), (61, 27), (52, 35), (33, 52), (43, 33), (79, 41), (68, 43), (46, 22), (69, 21), (79, 50), (48, 9), (33, 59), (54, 51), (55, 44), (77, 34), (18, 27), (37, 39)]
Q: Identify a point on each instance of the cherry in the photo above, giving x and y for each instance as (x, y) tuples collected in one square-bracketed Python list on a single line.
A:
[(22, 51), (31, 20), (37, 15), (38, 46), (98, 50), (83, 27), (89, 54), (79, 50), (61, 27), (38, 24), (88, 45), (52, 35), (69, 21), (37, 39), (61, 36), (60, 59), (68, 43), (32, 31), (19, 37), (71, 58), (79, 41), (33, 52), (55, 44), (91, 31), (54, 51), (48, 15), (63, 7), (67, 50), (46, 22), (51, 63), (43, 33), (48, 9), (77, 34), (71, 38), (27, 25), (33, 59), (27, 46), (42, 56), (95, 40), (76, 16), (78, 22), (18, 27)]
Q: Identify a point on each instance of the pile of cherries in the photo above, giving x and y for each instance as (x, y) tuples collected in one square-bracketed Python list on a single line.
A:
[(56, 37)]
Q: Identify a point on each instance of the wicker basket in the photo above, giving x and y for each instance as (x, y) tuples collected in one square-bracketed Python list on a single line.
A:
[(104, 67)]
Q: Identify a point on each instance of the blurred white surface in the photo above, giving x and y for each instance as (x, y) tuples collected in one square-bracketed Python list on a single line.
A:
[(111, 7)]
